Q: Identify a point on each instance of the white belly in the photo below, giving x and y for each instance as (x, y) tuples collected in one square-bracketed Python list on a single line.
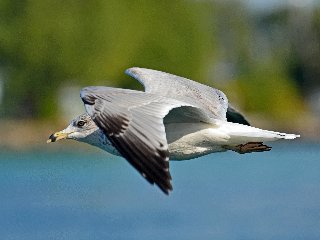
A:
[(191, 140)]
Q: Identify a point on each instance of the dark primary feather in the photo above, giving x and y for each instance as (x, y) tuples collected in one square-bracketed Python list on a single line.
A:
[(236, 117)]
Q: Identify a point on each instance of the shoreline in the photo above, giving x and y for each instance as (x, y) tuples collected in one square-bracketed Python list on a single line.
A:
[(29, 134)]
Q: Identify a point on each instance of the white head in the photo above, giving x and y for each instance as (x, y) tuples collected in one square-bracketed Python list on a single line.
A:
[(79, 129)]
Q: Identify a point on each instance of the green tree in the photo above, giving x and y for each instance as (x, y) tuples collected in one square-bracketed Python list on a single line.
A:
[(44, 44)]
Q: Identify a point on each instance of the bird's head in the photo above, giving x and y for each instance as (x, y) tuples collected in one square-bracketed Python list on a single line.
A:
[(79, 129)]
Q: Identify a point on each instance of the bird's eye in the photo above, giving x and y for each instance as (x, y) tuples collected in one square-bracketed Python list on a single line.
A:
[(80, 123)]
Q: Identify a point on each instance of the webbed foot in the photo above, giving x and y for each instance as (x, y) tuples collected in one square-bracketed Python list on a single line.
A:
[(251, 147)]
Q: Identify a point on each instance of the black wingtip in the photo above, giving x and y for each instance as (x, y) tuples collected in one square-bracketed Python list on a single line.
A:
[(236, 117), (166, 191), (166, 188)]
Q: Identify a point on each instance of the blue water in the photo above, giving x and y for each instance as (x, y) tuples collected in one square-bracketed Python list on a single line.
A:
[(47, 194)]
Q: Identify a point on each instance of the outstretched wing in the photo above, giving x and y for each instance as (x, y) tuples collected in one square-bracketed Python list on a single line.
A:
[(211, 100), (133, 122)]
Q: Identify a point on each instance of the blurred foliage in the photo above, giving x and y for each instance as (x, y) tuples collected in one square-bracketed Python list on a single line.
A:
[(256, 58), (46, 43)]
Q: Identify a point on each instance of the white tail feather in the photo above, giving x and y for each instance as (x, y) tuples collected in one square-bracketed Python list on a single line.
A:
[(243, 133)]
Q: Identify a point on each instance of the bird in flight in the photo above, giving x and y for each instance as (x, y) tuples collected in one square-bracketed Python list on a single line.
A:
[(174, 118)]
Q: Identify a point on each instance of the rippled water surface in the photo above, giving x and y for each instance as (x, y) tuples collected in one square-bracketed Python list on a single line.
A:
[(90, 195)]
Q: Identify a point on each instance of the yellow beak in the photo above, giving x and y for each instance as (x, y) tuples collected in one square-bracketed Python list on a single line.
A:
[(57, 136)]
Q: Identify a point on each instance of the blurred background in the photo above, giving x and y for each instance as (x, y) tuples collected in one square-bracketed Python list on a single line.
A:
[(264, 54)]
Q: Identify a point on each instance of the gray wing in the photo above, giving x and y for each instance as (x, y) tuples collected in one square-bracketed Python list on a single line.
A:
[(211, 100), (133, 122)]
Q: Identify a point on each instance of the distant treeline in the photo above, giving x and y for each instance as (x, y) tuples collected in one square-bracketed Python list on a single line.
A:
[(266, 62)]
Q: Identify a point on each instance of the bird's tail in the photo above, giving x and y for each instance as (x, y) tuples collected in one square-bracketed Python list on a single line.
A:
[(241, 134), (247, 139)]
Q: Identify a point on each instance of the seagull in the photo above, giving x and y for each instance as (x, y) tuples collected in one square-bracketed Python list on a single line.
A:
[(174, 118)]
